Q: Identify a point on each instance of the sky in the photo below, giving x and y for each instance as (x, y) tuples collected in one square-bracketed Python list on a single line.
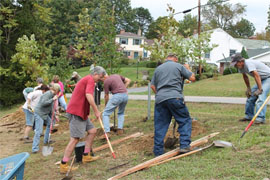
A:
[(256, 10)]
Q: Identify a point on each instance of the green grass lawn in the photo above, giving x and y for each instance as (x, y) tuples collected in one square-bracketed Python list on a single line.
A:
[(250, 162), (129, 72), (225, 86)]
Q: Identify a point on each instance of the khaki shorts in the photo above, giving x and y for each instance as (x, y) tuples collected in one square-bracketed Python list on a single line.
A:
[(78, 126)]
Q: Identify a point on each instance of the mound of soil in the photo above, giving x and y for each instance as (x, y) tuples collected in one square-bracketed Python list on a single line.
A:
[(14, 122)]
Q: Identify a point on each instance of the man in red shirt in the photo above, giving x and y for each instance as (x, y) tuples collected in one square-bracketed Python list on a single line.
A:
[(77, 111), (117, 85)]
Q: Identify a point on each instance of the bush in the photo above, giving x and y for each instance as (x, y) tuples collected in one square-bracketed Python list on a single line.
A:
[(230, 71), (151, 64)]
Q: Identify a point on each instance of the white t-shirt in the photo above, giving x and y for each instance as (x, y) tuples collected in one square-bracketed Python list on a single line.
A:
[(255, 65), (34, 98)]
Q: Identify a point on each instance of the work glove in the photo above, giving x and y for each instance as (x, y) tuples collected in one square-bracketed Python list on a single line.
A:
[(258, 92), (248, 92), (69, 85)]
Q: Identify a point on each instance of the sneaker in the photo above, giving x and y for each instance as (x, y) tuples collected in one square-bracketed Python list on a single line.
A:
[(259, 122), (65, 167), (120, 131), (244, 119), (27, 140), (89, 158)]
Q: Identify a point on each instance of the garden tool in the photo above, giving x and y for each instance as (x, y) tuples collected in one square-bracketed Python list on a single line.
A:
[(47, 150), (253, 119), (170, 142), (108, 141), (67, 177)]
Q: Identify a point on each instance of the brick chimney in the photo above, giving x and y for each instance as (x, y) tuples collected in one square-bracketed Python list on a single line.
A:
[(122, 31), (139, 32)]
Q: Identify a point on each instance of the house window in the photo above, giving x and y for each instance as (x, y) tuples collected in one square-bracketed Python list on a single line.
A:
[(136, 41), (145, 54), (136, 54), (232, 52), (123, 40), (126, 53), (207, 55)]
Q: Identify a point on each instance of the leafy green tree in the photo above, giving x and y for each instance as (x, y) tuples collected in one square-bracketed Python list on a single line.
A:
[(158, 27), (142, 18), (95, 40), (188, 25), (221, 15), (242, 29), (268, 20), (170, 41), (244, 53)]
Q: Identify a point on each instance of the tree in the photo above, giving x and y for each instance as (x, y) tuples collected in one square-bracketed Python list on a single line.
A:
[(170, 41), (143, 18), (242, 29), (188, 25), (264, 35), (244, 53), (95, 39), (220, 15), (268, 26), (158, 27)]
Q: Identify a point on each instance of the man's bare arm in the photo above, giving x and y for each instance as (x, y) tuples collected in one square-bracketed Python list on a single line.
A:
[(106, 98), (154, 89), (245, 77), (92, 103), (257, 79), (127, 82)]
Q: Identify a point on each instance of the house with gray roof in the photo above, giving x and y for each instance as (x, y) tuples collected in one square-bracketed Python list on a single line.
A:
[(254, 44)]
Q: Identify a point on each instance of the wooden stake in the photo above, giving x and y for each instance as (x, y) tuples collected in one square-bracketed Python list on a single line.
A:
[(118, 141), (167, 155)]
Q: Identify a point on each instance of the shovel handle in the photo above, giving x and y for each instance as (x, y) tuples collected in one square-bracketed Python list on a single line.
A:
[(70, 167), (108, 141)]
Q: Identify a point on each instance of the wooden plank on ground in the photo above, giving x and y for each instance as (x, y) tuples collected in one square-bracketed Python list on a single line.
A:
[(138, 134), (167, 155)]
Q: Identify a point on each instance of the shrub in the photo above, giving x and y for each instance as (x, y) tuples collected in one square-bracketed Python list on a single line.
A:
[(151, 64), (230, 71)]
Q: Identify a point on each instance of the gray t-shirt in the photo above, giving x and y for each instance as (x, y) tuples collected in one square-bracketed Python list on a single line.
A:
[(168, 80), (254, 65), (44, 105)]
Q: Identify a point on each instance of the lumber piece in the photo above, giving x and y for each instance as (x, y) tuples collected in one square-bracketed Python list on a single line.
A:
[(182, 155), (8, 124), (167, 155), (138, 134)]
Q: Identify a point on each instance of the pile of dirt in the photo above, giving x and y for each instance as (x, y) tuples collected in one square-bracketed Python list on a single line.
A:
[(14, 122)]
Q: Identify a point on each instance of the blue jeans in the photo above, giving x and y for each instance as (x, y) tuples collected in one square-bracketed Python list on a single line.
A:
[(29, 117), (162, 119), (258, 101), (38, 130), (62, 102), (118, 100)]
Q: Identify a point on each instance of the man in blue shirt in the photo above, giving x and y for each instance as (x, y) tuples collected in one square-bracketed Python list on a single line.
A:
[(258, 93), (167, 84)]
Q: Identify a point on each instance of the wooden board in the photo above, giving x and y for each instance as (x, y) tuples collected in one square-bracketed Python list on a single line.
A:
[(138, 134), (167, 155)]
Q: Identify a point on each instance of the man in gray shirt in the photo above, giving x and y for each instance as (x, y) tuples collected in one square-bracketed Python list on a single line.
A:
[(258, 93), (167, 84)]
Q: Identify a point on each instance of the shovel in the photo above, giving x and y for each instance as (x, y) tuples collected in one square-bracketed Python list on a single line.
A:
[(47, 150), (170, 142), (67, 177)]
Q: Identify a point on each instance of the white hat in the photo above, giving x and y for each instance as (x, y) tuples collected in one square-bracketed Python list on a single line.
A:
[(74, 74)]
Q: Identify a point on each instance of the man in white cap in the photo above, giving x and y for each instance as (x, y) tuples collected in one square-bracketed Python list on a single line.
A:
[(258, 93), (75, 77)]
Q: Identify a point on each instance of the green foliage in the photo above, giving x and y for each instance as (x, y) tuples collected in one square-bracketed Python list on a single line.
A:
[(242, 29), (221, 15), (170, 41), (268, 20), (188, 25), (95, 40), (142, 18), (244, 53), (26, 63), (151, 64), (230, 70)]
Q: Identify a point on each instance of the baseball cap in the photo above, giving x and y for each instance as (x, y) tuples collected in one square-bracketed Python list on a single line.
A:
[(74, 74), (236, 58)]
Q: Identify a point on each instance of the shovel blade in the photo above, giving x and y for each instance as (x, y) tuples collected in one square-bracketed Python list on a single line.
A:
[(170, 142), (219, 143), (47, 150)]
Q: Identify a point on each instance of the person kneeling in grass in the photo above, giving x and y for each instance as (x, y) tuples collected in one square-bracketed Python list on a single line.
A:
[(77, 111), (42, 113)]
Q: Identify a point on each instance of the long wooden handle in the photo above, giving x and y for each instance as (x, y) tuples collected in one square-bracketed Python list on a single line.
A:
[(70, 167), (108, 141)]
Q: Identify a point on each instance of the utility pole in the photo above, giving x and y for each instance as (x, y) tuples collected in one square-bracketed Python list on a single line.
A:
[(199, 32)]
